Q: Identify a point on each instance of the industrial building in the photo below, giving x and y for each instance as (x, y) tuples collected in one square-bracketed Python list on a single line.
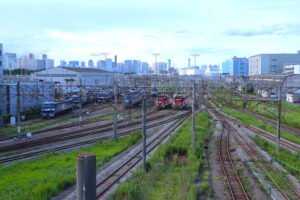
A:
[(71, 76), (291, 69), (271, 63), (31, 94)]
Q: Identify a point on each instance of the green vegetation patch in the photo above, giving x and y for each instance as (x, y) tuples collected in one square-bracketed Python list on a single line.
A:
[(173, 169), (44, 177), (290, 161)]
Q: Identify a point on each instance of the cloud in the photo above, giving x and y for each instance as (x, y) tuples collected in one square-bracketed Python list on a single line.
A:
[(275, 29)]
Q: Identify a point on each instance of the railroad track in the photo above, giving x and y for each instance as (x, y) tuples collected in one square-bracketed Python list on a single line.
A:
[(281, 183), (235, 186), (73, 134), (90, 141), (115, 175), (266, 119), (61, 127), (287, 144)]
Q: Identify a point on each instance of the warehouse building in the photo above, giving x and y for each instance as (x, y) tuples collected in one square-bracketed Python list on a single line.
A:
[(71, 76), (271, 63)]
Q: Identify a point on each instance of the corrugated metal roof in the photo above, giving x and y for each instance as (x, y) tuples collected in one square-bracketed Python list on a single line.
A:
[(86, 70)]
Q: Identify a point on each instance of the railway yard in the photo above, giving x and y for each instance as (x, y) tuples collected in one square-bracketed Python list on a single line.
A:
[(187, 139)]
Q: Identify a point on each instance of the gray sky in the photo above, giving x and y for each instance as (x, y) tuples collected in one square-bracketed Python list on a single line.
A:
[(134, 29)]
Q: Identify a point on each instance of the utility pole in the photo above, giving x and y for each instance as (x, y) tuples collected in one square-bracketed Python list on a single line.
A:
[(144, 129), (18, 107), (155, 59), (193, 118), (195, 58), (279, 120), (80, 103), (115, 125)]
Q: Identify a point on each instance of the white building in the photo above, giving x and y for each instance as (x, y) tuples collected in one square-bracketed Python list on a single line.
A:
[(293, 97), (271, 63), (71, 76), (189, 71)]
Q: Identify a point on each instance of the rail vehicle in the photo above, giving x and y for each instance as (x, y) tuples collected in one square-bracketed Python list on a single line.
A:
[(132, 98), (179, 102), (154, 92), (163, 101), (104, 96), (52, 108)]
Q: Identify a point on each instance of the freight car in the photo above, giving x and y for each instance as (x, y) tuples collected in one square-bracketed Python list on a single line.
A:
[(51, 109)]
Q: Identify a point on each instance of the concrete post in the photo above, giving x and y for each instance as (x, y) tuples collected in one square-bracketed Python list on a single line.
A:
[(86, 177)]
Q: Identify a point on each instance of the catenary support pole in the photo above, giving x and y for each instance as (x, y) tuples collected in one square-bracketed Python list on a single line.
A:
[(115, 125), (279, 120), (18, 107), (86, 177), (193, 118), (80, 103), (144, 130)]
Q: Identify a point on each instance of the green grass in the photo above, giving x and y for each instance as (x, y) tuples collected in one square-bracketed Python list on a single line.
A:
[(291, 107), (9, 131), (267, 127), (44, 177), (290, 161), (168, 178)]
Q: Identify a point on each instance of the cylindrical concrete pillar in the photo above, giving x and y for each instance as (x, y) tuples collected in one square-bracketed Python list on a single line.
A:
[(86, 177)]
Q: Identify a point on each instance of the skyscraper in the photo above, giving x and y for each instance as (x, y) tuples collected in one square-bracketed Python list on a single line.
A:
[(10, 61), (91, 64)]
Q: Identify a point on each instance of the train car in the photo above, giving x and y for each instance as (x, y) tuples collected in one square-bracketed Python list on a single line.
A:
[(132, 99), (104, 96), (179, 102), (162, 102), (51, 109), (154, 92)]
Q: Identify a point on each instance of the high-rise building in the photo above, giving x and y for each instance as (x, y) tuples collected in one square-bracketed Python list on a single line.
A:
[(169, 64), (82, 64), (91, 64), (74, 63), (1, 65), (28, 62), (108, 64), (10, 61), (145, 68), (136, 66), (63, 63), (236, 66), (189, 62)]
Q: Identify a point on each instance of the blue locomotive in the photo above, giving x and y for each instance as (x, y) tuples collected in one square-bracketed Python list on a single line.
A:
[(132, 98), (52, 108)]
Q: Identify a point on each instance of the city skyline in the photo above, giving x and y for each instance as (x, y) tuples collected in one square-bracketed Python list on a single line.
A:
[(133, 30)]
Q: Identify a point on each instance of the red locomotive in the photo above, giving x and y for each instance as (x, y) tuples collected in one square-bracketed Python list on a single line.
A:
[(162, 102), (179, 102)]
